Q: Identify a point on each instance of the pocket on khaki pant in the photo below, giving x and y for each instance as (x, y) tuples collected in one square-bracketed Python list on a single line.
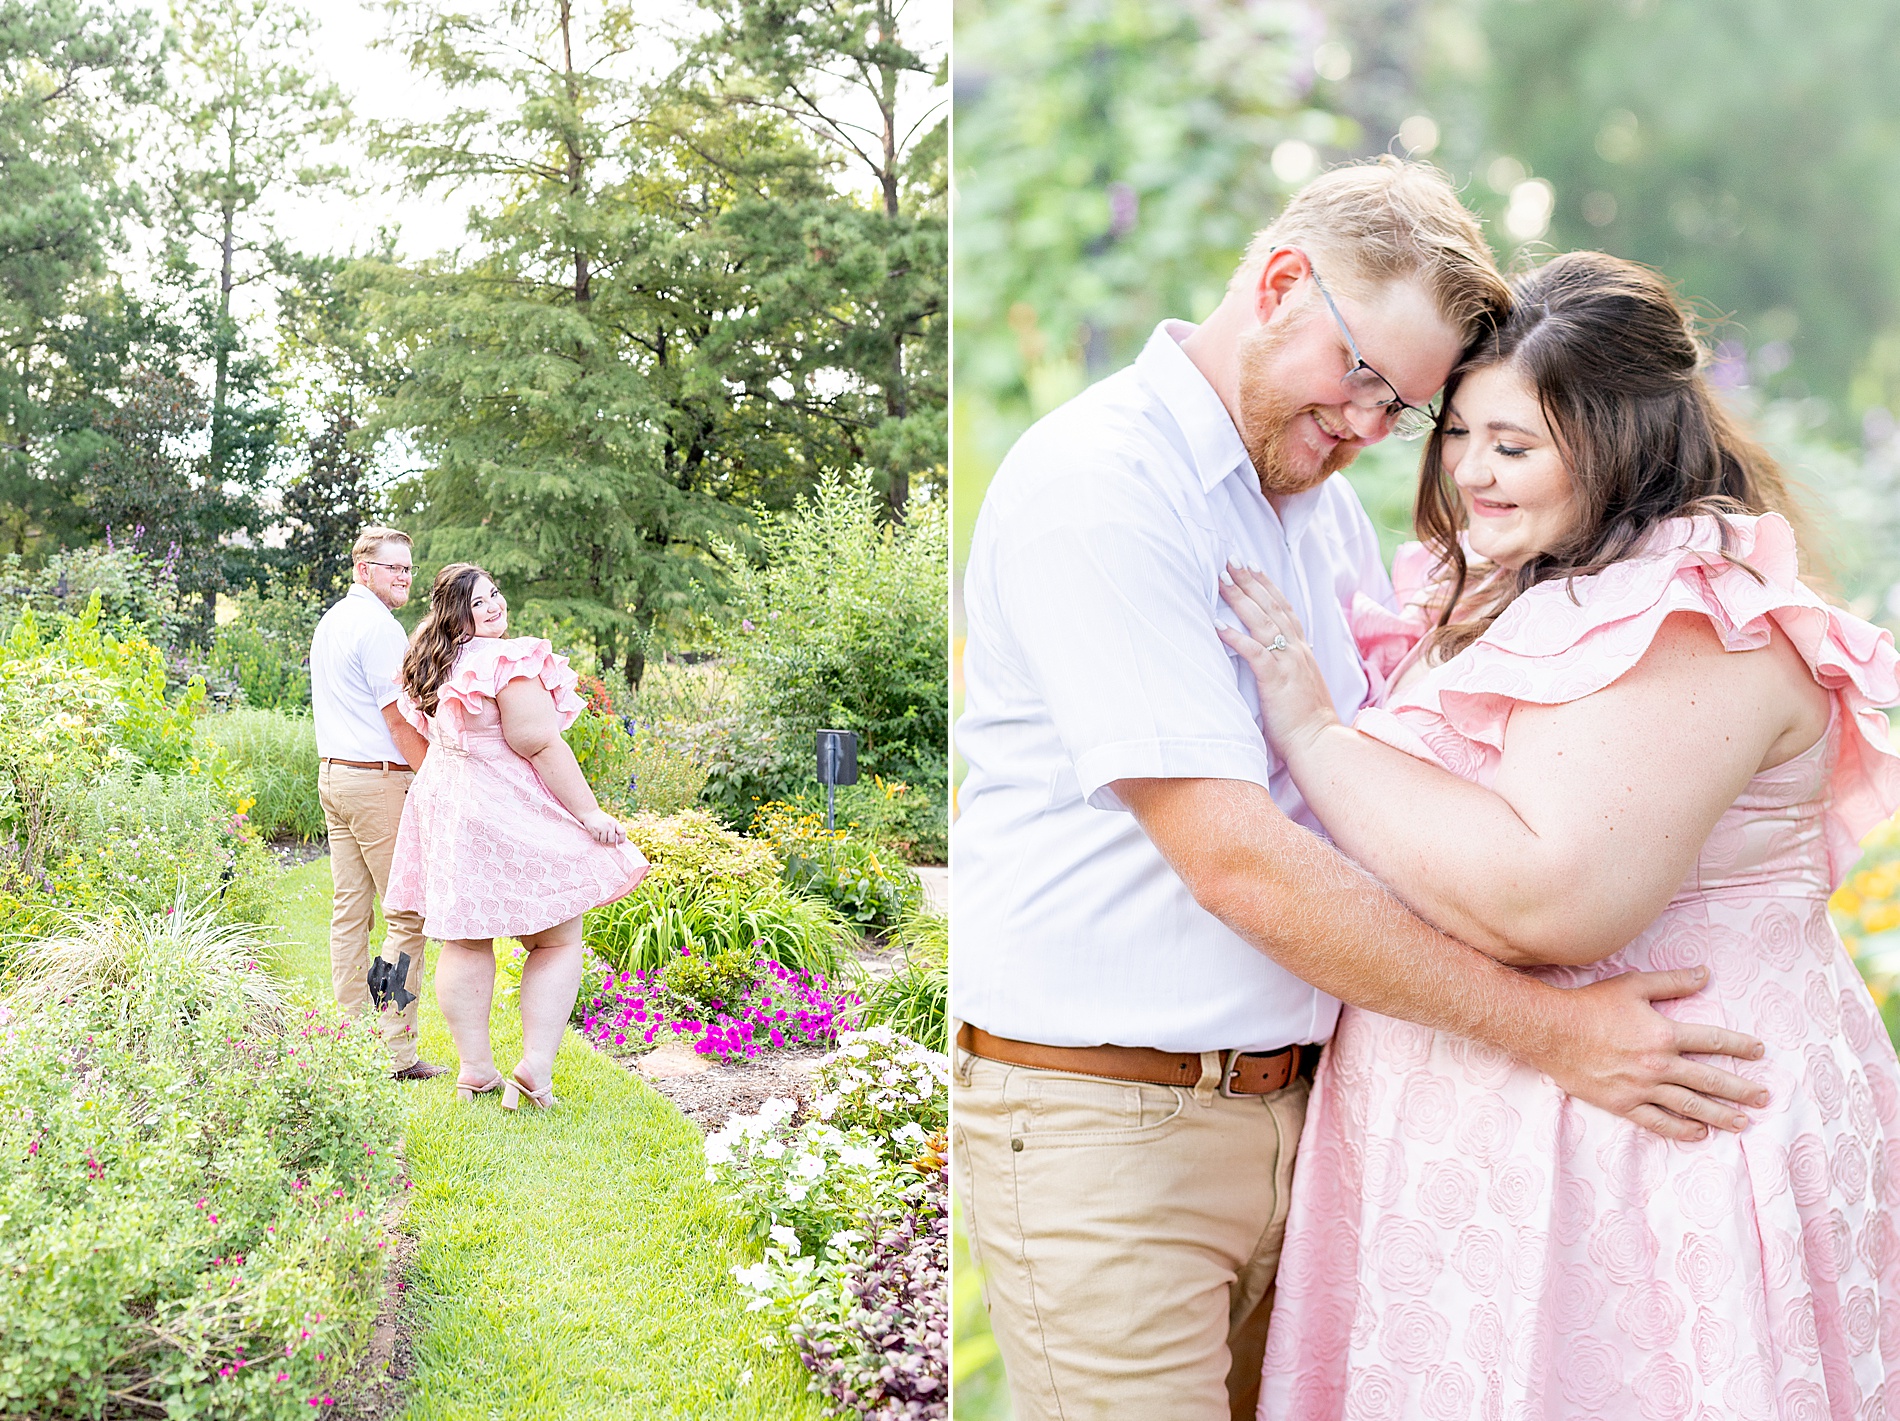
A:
[(1071, 1111)]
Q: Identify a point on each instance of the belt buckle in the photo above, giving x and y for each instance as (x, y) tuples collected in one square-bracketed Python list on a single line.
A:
[(1228, 1061)]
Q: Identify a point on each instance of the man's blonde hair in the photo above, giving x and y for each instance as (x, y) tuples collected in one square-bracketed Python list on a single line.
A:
[(372, 538), (1371, 223)]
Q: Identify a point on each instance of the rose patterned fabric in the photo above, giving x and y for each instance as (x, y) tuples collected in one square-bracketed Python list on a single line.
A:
[(485, 849), (1465, 1241)]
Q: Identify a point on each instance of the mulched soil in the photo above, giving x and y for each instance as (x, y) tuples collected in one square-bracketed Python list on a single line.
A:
[(294, 853), (377, 1389), (713, 1096)]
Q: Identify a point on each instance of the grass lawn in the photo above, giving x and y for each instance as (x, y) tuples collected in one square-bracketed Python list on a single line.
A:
[(568, 1263)]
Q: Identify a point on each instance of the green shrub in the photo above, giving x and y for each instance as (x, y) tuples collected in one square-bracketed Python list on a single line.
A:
[(888, 815), (690, 847), (667, 779), (189, 1217), (832, 865), (56, 735), (914, 1000), (274, 754), (144, 725), (706, 984), (843, 626), (266, 650), (148, 841), (650, 769), (138, 593), (604, 752)]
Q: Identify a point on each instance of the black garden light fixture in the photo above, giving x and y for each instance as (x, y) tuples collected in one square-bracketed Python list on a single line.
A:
[(837, 765)]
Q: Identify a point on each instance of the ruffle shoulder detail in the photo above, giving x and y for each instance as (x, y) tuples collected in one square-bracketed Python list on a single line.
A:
[(1564, 640), (485, 664)]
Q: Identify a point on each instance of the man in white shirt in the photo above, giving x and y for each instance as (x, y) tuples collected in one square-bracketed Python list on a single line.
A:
[(369, 755), (1151, 935)]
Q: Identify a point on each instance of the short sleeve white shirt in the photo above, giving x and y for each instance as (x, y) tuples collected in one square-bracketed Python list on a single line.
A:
[(1091, 598), (355, 660)]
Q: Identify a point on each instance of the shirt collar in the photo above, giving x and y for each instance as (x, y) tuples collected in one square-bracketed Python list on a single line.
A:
[(357, 589), (1213, 442)]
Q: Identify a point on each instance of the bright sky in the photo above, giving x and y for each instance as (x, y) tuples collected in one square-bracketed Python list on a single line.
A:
[(381, 86)]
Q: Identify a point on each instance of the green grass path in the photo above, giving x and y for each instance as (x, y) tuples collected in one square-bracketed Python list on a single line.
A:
[(568, 1263)]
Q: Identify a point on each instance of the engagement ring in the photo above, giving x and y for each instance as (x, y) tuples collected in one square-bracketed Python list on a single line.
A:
[(1278, 643)]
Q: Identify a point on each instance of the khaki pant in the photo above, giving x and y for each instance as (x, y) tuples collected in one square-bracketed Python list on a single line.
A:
[(1129, 1236), (363, 809)]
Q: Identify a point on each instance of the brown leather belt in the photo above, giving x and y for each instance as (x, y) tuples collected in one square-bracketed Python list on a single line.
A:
[(367, 764), (1242, 1072)]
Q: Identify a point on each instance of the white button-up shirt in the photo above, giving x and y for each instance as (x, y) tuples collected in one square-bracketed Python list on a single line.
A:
[(355, 658), (1091, 598)]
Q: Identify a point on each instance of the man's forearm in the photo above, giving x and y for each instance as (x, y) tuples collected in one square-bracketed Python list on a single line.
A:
[(409, 744), (1306, 907)]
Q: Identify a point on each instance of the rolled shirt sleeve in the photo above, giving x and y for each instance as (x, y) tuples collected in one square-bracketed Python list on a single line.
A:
[(1114, 622)]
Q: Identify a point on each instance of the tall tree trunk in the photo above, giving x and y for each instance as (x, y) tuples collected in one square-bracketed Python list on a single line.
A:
[(896, 401), (576, 159), (897, 405), (887, 106), (221, 379)]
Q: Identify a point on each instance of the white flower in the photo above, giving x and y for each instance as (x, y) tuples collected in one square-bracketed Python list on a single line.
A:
[(859, 1156), (772, 1149), (718, 1148), (909, 1132), (759, 1277), (778, 1108), (809, 1167), (795, 1193), (784, 1237), (842, 1240)]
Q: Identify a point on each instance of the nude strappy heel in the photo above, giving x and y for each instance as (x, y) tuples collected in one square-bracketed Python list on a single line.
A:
[(514, 1089), (464, 1093)]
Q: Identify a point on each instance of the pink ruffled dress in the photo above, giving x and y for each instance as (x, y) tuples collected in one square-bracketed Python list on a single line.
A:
[(485, 849), (1466, 1241)]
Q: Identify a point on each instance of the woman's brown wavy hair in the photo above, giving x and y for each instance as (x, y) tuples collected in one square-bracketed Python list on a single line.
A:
[(450, 622), (1617, 367)]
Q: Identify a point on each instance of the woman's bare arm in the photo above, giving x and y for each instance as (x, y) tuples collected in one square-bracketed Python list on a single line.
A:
[(532, 728), (1599, 807)]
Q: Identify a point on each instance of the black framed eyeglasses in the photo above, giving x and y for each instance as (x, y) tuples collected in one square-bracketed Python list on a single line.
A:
[(1367, 389)]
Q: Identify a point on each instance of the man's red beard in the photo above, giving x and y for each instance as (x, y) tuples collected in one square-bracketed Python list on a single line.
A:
[(1267, 418)]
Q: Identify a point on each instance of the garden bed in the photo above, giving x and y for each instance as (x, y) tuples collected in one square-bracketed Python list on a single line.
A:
[(709, 1093), (710, 1090), (377, 1388)]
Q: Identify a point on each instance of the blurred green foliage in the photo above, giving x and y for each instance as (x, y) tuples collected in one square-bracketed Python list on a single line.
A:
[(1112, 158)]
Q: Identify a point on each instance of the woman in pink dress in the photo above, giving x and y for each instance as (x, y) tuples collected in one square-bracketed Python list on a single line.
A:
[(500, 835), (1617, 734)]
